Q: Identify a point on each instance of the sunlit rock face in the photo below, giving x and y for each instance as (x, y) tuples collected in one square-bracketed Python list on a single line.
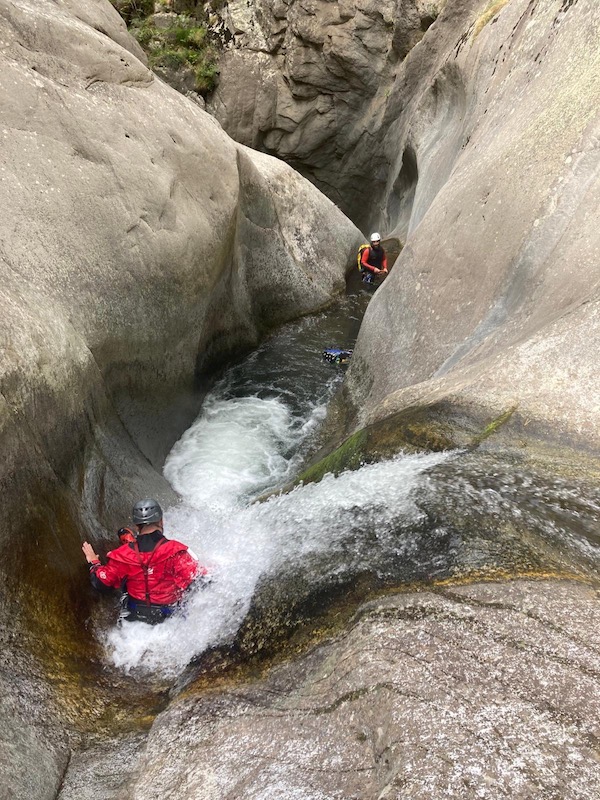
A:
[(487, 691), (467, 130), (493, 304), (309, 82), (142, 244), (139, 246)]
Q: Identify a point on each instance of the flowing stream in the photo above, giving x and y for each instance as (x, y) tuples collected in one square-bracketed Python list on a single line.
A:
[(414, 517)]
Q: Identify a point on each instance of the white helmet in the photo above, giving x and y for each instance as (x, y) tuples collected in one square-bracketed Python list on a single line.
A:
[(375, 237)]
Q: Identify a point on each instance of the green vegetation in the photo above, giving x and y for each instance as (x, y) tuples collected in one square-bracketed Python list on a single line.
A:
[(494, 8), (435, 428), (133, 9), (348, 456), (493, 426), (183, 47), (184, 43)]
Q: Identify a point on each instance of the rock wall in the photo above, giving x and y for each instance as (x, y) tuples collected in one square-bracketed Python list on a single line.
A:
[(309, 82), (142, 244), (468, 131), (139, 246), (493, 304)]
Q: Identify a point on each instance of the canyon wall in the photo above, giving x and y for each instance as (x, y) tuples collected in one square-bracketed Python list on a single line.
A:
[(140, 246), (310, 82), (468, 132), (492, 308)]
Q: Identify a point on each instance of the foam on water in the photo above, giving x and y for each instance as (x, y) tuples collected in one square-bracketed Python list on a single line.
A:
[(242, 543), (237, 448)]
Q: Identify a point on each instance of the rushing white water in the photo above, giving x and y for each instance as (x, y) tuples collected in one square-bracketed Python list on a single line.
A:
[(397, 520), (238, 447)]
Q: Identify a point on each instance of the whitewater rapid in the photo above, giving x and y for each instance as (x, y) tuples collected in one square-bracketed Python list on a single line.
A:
[(411, 518), (240, 446)]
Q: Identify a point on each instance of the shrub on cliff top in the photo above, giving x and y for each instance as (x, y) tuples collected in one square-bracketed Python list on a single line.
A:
[(133, 9), (184, 43)]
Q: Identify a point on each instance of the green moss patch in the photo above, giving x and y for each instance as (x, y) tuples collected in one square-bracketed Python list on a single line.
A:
[(493, 426), (185, 43), (437, 428), (349, 455), (409, 431)]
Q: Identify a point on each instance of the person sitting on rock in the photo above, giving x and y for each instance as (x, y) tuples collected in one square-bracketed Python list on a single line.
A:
[(154, 571), (373, 260)]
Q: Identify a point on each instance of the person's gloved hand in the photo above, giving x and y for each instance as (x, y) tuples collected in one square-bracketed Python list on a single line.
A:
[(127, 534)]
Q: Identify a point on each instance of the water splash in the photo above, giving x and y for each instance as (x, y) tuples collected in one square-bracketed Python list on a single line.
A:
[(335, 518), (238, 448), (415, 517)]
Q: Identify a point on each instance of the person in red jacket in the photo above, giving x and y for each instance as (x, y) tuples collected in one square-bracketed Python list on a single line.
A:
[(154, 571), (373, 260)]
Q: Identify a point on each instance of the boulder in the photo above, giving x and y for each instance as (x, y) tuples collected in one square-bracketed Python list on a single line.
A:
[(140, 246), (488, 690)]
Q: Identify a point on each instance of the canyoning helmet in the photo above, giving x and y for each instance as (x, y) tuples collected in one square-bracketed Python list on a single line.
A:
[(375, 238), (146, 511)]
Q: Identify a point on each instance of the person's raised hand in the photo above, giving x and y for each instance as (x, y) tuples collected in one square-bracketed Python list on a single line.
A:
[(88, 552)]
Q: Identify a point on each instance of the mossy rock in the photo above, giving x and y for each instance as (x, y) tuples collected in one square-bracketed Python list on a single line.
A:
[(412, 430), (446, 426), (182, 53)]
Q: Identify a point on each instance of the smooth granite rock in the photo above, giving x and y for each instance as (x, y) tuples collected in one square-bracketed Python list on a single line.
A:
[(139, 247), (484, 691), (492, 306)]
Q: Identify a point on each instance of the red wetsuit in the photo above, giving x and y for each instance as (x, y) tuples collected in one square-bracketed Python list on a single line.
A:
[(158, 576), (373, 258)]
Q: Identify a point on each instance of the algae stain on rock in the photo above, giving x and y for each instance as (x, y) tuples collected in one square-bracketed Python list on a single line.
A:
[(493, 426), (492, 10), (52, 600), (348, 456), (409, 431)]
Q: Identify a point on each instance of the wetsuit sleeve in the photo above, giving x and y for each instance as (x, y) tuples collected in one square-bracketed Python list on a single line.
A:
[(364, 259), (185, 569), (110, 576), (384, 262)]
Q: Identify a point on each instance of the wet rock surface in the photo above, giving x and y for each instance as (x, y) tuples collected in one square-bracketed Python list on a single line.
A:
[(142, 247), (147, 245), (492, 307), (488, 690)]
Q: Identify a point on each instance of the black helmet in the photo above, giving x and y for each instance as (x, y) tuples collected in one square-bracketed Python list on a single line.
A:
[(146, 511)]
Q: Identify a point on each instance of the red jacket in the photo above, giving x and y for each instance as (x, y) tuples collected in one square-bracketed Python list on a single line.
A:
[(160, 576), (365, 260)]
